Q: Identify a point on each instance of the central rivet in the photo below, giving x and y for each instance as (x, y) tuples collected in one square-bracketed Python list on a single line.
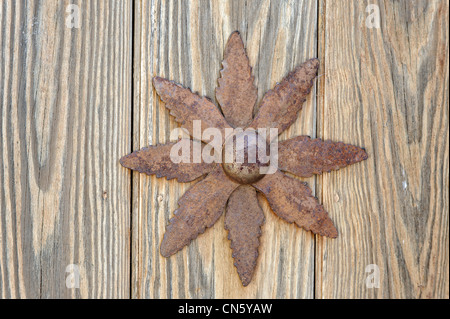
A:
[(241, 160)]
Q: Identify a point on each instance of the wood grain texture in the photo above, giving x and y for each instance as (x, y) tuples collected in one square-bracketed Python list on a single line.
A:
[(65, 104), (184, 41), (73, 101), (386, 89)]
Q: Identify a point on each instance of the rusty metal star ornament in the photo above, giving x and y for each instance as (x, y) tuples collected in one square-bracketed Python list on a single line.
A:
[(232, 187)]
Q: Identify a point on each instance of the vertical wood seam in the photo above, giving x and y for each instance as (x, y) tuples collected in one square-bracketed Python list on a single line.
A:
[(320, 120), (130, 231)]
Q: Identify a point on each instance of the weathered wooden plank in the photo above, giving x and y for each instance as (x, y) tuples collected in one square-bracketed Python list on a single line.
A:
[(184, 41), (386, 89), (65, 104)]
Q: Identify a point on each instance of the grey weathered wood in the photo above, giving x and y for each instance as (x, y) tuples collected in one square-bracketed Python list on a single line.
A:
[(386, 89), (67, 116), (65, 105), (184, 41)]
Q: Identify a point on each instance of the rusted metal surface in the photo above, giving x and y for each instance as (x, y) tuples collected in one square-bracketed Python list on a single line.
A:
[(236, 92), (155, 160), (243, 220), (199, 208), (187, 107), (202, 205), (246, 171), (279, 106), (304, 156), (244, 217), (293, 201)]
